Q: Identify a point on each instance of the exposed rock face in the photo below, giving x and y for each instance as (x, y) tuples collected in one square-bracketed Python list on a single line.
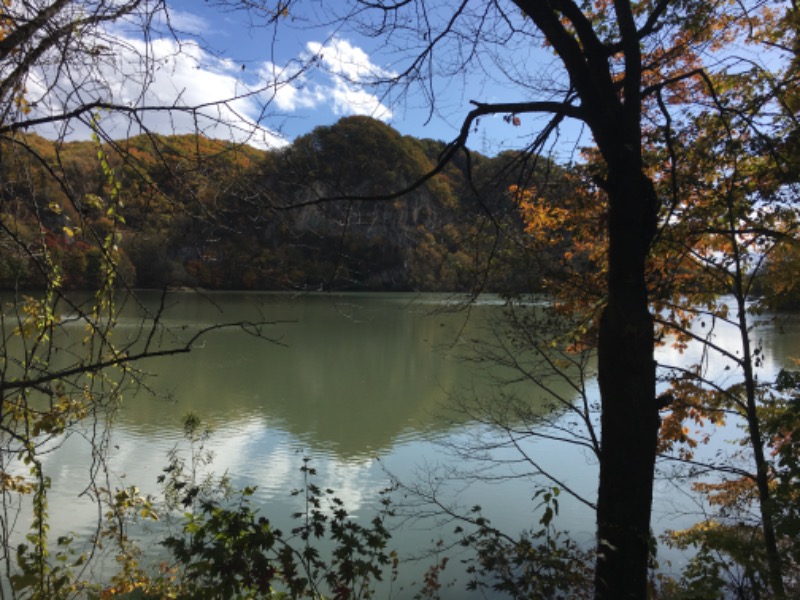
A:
[(312, 215)]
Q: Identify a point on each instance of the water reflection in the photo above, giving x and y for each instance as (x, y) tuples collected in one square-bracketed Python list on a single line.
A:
[(349, 376), (775, 335), (361, 384)]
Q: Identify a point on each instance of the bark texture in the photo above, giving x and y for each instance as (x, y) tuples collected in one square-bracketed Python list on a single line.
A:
[(627, 378)]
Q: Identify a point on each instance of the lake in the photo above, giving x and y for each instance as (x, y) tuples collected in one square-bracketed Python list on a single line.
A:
[(366, 386)]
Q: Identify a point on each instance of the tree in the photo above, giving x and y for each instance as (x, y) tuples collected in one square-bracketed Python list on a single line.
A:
[(735, 212), (604, 82), (731, 206), (622, 69), (619, 66), (62, 359)]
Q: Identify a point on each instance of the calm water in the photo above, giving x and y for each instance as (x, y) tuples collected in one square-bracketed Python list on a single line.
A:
[(363, 385)]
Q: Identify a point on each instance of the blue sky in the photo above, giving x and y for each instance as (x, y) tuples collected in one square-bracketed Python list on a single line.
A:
[(335, 86), (230, 50), (219, 55), (266, 86), (234, 54)]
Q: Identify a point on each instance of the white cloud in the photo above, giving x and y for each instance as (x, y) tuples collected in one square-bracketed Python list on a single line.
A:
[(250, 450), (188, 77), (289, 88), (348, 99), (176, 86), (186, 22), (340, 57), (336, 74), (350, 71)]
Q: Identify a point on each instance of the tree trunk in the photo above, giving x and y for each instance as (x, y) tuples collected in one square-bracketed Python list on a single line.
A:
[(626, 373), (775, 568)]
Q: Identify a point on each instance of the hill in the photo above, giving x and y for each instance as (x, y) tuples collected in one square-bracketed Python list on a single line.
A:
[(191, 211)]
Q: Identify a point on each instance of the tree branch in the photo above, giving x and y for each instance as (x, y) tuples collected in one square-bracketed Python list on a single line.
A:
[(558, 109)]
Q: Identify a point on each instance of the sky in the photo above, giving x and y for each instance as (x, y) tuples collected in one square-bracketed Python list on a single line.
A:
[(225, 54), (266, 87), (332, 88)]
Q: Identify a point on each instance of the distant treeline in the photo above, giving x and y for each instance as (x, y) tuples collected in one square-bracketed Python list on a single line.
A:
[(191, 211)]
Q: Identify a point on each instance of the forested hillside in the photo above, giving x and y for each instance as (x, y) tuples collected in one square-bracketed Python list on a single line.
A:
[(190, 211)]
